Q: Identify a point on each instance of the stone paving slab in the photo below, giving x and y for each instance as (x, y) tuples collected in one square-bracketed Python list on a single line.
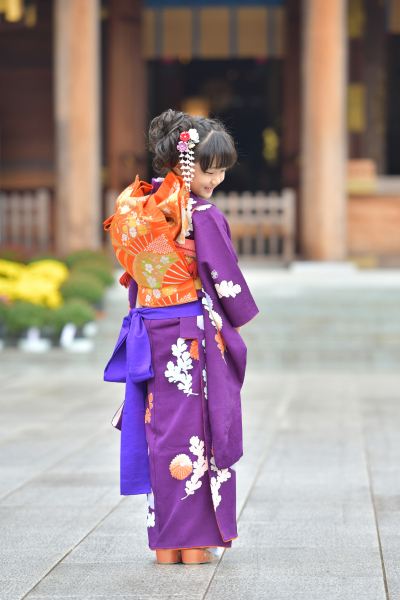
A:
[(301, 534), (295, 588), (306, 485), (148, 581), (318, 487), (306, 525)]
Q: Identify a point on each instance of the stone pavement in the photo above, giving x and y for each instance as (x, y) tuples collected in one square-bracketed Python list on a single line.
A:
[(318, 487)]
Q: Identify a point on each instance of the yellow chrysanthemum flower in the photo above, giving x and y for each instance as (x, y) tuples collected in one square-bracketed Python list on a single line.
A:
[(11, 269), (38, 282), (49, 269)]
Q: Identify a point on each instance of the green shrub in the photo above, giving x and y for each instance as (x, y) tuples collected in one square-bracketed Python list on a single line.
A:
[(23, 315), (3, 307), (75, 311), (81, 285), (94, 268), (45, 256), (14, 253), (100, 260), (88, 255)]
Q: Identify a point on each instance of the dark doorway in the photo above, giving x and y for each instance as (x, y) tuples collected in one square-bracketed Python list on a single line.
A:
[(393, 106), (246, 95)]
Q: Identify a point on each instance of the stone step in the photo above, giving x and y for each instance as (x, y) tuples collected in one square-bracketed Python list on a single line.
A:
[(337, 326), (311, 327), (331, 309), (323, 343)]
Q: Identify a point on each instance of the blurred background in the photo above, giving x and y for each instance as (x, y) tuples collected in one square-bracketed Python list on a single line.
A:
[(310, 90)]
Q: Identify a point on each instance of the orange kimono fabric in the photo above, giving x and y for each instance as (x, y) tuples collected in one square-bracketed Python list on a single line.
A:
[(143, 234)]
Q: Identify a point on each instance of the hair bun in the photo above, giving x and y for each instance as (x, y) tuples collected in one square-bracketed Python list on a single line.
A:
[(163, 126), (164, 133)]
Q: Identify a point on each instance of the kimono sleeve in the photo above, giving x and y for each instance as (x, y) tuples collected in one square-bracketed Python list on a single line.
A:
[(218, 262)]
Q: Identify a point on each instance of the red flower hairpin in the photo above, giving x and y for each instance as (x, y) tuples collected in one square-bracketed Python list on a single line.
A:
[(185, 147)]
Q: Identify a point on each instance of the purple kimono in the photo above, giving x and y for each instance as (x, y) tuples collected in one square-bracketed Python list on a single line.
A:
[(192, 410)]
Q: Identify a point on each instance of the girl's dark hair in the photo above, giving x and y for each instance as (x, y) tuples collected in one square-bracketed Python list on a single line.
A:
[(215, 142)]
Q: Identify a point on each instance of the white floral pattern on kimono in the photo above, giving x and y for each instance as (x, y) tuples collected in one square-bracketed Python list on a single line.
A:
[(205, 383), (189, 212), (203, 206), (217, 322), (200, 466), (216, 482), (179, 373), (151, 515), (215, 318), (226, 289)]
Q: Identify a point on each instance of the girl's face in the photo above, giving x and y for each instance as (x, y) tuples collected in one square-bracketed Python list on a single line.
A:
[(203, 184)]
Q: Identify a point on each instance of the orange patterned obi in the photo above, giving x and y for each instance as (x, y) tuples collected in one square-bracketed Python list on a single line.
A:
[(148, 234)]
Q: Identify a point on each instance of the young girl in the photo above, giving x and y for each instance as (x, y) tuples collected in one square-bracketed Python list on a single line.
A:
[(179, 351)]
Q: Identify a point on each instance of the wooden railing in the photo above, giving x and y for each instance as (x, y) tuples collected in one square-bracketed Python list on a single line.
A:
[(261, 224), (25, 219)]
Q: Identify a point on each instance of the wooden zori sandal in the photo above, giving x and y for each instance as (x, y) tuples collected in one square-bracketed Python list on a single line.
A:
[(169, 557), (198, 556)]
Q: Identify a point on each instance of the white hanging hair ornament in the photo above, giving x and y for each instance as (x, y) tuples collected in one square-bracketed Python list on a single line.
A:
[(185, 147)]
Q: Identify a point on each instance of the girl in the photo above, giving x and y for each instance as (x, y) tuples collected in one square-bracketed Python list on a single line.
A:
[(179, 351)]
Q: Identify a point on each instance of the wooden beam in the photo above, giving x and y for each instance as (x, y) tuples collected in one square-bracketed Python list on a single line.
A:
[(77, 111)]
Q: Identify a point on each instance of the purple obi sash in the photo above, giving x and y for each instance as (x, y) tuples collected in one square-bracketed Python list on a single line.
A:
[(131, 364)]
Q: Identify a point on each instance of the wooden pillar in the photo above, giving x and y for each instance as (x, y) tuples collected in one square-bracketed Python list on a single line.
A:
[(323, 159), (291, 137), (126, 95), (77, 117)]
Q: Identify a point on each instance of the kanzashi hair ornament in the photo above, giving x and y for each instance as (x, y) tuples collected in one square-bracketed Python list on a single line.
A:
[(185, 147)]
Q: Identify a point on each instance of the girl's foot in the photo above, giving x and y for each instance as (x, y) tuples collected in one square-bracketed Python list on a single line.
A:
[(197, 556), (169, 557)]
